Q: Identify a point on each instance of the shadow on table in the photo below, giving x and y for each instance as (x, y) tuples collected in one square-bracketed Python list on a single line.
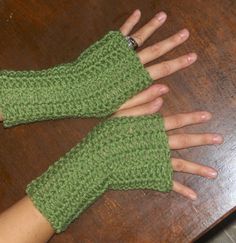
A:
[(224, 232)]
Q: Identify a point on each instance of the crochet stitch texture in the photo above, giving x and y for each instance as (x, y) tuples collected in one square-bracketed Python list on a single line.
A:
[(121, 153), (96, 84)]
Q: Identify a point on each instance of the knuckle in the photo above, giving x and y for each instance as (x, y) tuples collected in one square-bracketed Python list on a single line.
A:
[(208, 138), (183, 191), (129, 22), (154, 106), (153, 23), (201, 171), (155, 48), (176, 39), (204, 138), (166, 68), (138, 38), (178, 120), (179, 165), (185, 141), (154, 91), (195, 117), (152, 109), (183, 61)]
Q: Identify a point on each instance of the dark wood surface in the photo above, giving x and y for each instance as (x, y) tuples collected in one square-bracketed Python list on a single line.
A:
[(36, 34)]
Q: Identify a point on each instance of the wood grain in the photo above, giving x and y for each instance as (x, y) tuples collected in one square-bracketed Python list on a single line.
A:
[(39, 34)]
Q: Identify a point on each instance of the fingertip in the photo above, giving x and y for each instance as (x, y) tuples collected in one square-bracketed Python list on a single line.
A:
[(164, 13), (137, 12), (192, 57), (158, 89), (161, 16), (206, 116), (192, 195), (183, 34), (211, 173), (129, 24), (218, 139), (184, 191), (164, 89), (186, 31)]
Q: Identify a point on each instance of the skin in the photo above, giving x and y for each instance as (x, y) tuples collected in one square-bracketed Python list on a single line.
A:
[(14, 227)]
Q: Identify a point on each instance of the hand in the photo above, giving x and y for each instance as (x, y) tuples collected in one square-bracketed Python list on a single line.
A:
[(149, 97), (151, 53), (148, 101), (183, 141), (186, 140)]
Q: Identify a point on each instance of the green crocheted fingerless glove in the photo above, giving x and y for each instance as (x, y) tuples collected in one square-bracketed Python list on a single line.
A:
[(122, 153), (95, 85)]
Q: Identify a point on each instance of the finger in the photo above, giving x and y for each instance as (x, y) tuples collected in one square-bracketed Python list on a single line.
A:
[(152, 52), (148, 29), (184, 190), (182, 165), (185, 119), (146, 96), (146, 109), (180, 141), (130, 22), (168, 67)]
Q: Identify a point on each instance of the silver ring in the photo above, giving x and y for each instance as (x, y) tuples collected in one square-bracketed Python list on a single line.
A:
[(132, 42)]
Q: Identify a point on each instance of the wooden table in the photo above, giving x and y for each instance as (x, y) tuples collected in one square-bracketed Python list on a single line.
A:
[(39, 34)]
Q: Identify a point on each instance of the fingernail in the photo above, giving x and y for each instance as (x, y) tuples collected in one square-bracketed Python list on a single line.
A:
[(193, 196), (137, 12), (183, 33), (161, 16), (163, 90), (192, 57), (212, 173), (217, 139), (206, 116)]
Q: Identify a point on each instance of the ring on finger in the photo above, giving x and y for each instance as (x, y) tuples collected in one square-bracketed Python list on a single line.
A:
[(132, 42)]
